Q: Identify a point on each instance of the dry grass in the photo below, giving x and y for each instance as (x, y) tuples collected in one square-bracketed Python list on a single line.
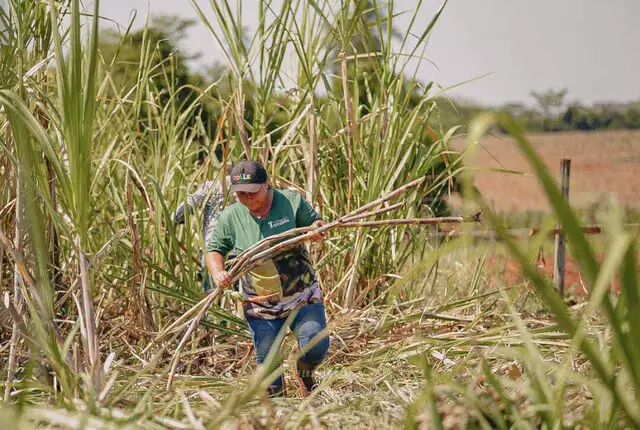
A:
[(372, 375)]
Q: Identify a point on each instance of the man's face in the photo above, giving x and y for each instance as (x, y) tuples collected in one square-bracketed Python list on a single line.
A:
[(253, 201)]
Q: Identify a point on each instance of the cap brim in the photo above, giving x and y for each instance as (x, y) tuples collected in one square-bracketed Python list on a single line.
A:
[(246, 188)]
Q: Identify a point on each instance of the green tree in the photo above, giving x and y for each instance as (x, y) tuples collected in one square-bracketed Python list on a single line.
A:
[(632, 118), (171, 79), (550, 101)]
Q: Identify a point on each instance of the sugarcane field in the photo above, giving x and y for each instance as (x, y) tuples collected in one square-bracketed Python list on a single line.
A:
[(283, 214)]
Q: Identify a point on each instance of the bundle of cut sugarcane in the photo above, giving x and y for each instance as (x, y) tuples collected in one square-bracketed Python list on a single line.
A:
[(264, 251)]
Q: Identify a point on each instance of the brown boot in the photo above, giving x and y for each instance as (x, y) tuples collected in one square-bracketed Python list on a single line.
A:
[(304, 375)]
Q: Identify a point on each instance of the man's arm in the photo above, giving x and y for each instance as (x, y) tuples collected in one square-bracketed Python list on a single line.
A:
[(215, 264), (306, 216)]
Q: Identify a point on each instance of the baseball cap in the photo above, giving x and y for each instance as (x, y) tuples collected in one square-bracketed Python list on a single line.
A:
[(247, 176)]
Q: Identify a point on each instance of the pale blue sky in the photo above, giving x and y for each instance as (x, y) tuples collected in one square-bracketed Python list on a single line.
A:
[(592, 47)]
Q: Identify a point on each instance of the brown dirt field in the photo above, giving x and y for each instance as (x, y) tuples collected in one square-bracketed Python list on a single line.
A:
[(509, 271), (602, 164)]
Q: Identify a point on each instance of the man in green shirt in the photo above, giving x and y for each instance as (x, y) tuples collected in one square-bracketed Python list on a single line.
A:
[(279, 286)]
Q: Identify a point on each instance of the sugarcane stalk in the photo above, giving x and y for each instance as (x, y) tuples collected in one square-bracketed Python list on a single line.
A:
[(192, 326), (239, 119), (180, 322), (246, 254), (16, 289), (374, 213), (89, 321), (352, 135), (142, 301), (312, 162), (177, 323), (407, 221), (384, 198), (25, 276)]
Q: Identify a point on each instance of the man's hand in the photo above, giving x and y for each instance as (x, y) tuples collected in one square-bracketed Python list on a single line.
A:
[(222, 279), (318, 236), (215, 264)]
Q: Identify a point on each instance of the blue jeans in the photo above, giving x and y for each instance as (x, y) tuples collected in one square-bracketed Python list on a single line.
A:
[(306, 325)]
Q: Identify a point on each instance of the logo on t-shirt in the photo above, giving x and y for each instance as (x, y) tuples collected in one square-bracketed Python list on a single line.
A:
[(278, 222)]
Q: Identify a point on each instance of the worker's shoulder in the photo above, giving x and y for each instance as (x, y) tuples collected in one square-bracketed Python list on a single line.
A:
[(232, 211), (291, 195)]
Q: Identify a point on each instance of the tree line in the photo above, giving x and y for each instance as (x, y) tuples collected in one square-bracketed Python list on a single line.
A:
[(551, 113)]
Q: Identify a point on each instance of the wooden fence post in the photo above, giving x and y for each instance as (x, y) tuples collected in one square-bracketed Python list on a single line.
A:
[(560, 248)]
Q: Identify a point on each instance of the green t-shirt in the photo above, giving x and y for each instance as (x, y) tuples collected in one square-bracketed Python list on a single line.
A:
[(276, 281)]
